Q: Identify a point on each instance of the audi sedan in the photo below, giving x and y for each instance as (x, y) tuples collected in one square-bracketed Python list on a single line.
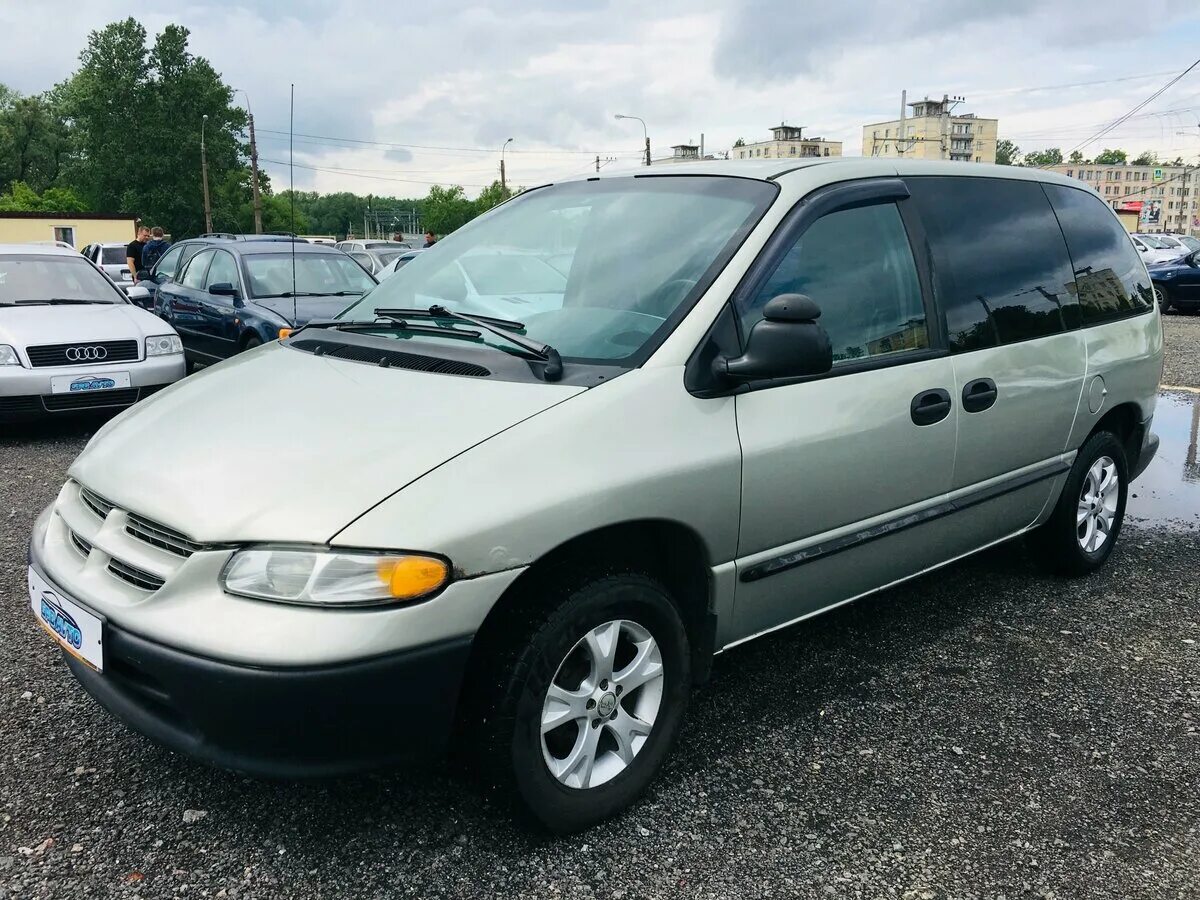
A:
[(70, 340)]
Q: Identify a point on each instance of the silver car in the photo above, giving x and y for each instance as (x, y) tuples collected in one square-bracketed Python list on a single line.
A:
[(766, 389), (71, 342), (112, 260)]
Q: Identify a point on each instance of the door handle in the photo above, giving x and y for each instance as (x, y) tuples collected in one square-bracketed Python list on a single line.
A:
[(979, 395), (930, 406)]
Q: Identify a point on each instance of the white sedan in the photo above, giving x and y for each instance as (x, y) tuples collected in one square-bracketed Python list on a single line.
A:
[(71, 342)]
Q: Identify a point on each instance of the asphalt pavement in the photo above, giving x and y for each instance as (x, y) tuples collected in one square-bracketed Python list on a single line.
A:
[(986, 731)]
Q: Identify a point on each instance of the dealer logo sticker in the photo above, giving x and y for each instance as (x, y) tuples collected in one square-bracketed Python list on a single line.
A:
[(92, 383), (60, 620)]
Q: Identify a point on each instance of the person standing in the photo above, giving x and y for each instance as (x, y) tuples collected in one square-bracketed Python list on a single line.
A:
[(430, 240), (153, 251), (133, 253)]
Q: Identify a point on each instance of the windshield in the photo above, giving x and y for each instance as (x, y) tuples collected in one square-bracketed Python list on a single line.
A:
[(386, 245), (594, 268), (270, 274), (46, 278), (112, 256), (386, 256), (1152, 242)]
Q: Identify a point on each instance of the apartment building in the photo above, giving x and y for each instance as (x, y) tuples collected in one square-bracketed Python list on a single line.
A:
[(933, 131), (1164, 197), (788, 142)]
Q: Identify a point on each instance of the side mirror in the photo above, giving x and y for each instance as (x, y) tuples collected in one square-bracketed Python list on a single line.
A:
[(222, 289), (143, 275), (786, 343), (138, 296)]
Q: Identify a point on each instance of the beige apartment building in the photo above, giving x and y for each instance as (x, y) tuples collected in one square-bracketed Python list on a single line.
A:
[(933, 132), (1163, 197), (788, 143)]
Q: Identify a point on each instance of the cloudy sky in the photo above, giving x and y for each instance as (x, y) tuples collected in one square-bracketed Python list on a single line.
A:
[(391, 97)]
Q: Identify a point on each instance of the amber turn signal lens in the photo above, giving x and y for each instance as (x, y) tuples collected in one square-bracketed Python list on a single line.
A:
[(410, 577), (284, 332)]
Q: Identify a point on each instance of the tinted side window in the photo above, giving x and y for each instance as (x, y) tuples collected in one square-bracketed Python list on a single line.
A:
[(1001, 269), (1109, 276), (169, 264), (858, 266), (193, 275), (222, 271)]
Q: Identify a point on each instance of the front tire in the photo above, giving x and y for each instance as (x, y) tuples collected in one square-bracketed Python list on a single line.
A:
[(1162, 297), (251, 342), (589, 702), (1086, 522)]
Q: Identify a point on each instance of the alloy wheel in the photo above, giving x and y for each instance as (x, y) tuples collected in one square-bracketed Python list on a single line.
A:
[(1097, 511), (602, 703)]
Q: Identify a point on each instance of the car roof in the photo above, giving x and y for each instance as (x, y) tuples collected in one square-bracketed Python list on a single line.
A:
[(831, 168), (37, 250)]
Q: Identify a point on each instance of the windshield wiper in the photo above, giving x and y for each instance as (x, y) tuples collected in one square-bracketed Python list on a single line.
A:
[(58, 301), (309, 294), (390, 322), (505, 328)]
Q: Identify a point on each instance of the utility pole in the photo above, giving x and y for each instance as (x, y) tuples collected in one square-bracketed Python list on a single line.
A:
[(503, 181), (204, 176), (597, 162), (647, 149), (903, 112), (645, 133), (254, 170)]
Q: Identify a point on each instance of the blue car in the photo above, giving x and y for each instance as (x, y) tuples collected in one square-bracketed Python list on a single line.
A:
[(226, 296), (1177, 283)]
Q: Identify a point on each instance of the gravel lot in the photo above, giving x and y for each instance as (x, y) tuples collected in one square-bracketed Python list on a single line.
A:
[(984, 732), (1182, 335)]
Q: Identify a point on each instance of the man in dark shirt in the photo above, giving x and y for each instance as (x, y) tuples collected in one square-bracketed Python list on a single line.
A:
[(430, 239), (133, 253)]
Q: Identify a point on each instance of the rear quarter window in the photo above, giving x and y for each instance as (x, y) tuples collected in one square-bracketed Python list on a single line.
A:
[(1001, 269), (1110, 279)]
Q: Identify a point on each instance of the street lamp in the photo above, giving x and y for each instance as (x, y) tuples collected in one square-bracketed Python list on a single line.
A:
[(258, 226), (204, 176), (503, 182), (645, 133)]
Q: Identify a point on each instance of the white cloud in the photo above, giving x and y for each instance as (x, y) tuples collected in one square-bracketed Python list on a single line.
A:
[(552, 73)]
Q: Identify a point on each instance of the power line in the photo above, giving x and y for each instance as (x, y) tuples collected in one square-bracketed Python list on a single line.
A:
[(354, 174), (1121, 119), (341, 140), (1003, 92)]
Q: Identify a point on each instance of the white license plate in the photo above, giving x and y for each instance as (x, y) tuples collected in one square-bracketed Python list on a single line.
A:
[(74, 384), (78, 631)]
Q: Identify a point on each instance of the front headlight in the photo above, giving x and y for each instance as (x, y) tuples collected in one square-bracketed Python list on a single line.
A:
[(332, 578), (163, 345), (8, 356)]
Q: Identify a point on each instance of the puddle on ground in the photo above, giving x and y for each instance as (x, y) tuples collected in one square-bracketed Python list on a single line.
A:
[(1168, 492)]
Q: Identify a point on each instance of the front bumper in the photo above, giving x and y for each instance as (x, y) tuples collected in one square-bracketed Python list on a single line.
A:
[(26, 393), (282, 723)]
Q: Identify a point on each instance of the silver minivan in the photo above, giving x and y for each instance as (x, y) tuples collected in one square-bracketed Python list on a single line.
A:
[(520, 533)]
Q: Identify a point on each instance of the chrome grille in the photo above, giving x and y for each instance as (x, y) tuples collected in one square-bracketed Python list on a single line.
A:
[(139, 578), (162, 537), (94, 353), (80, 544), (95, 503)]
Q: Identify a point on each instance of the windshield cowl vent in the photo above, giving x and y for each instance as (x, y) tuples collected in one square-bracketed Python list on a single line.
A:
[(389, 358)]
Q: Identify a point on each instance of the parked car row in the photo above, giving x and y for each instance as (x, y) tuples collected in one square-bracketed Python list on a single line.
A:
[(529, 487)]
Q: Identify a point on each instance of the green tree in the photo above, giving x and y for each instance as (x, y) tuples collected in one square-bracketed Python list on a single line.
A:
[(23, 198), (1111, 157), (447, 209), (1146, 158), (1177, 161), (1007, 153), (33, 140), (492, 195), (1076, 157), (135, 114), (739, 143), (1050, 157)]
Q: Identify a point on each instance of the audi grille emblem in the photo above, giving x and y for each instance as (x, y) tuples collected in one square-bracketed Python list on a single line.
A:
[(86, 354)]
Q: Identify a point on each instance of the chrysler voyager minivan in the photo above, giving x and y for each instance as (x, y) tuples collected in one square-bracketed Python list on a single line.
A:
[(516, 520)]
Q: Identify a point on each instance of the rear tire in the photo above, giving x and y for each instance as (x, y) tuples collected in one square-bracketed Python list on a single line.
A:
[(554, 729), (1086, 522)]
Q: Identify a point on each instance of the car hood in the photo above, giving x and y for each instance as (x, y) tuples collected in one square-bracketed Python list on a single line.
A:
[(306, 309), (25, 326), (279, 445)]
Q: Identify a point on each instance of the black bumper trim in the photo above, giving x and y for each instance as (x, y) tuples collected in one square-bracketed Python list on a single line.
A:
[(282, 723)]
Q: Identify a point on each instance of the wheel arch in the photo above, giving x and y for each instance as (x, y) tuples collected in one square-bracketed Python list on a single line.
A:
[(667, 550)]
